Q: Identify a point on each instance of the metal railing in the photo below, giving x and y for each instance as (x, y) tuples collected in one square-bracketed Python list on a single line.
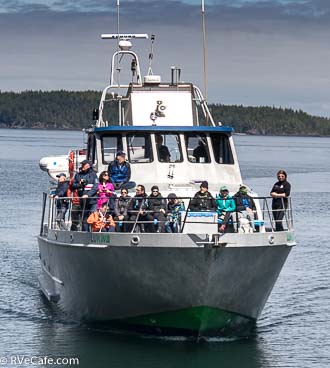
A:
[(64, 214)]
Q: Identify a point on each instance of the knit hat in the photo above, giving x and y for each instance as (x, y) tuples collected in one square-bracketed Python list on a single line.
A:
[(172, 196), (243, 189), (204, 184), (224, 188), (154, 187)]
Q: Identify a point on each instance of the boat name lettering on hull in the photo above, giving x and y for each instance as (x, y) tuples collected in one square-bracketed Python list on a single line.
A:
[(101, 238)]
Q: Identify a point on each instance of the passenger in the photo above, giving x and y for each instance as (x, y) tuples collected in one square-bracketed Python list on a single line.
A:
[(121, 211), (138, 210), (101, 220), (76, 208), (163, 151), (105, 191), (157, 206), (120, 172), (226, 205), (86, 183), (245, 205), (174, 208), (280, 193), (62, 202), (203, 199), (200, 152)]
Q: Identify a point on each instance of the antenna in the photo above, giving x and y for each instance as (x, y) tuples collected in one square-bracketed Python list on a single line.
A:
[(204, 49), (117, 59), (123, 36), (118, 6)]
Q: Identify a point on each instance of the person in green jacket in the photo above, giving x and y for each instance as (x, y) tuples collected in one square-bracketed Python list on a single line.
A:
[(225, 206)]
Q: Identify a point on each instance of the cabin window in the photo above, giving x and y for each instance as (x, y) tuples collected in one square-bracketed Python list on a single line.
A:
[(221, 149), (197, 148), (168, 147), (139, 148), (110, 146)]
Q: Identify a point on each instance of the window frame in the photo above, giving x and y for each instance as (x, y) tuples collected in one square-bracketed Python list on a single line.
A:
[(118, 148), (139, 134), (226, 150), (198, 136), (179, 146)]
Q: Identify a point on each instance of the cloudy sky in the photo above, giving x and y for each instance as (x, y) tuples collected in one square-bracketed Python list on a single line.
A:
[(259, 52)]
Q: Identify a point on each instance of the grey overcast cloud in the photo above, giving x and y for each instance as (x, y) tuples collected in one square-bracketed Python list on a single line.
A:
[(271, 52)]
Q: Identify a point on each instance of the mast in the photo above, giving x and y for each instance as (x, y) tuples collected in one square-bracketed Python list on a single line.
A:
[(204, 49)]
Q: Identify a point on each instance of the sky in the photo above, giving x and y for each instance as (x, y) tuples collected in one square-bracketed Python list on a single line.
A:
[(259, 52)]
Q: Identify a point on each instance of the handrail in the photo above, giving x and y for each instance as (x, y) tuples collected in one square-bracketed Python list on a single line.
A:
[(263, 217)]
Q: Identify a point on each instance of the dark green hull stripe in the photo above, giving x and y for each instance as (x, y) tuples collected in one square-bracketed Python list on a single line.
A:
[(193, 319)]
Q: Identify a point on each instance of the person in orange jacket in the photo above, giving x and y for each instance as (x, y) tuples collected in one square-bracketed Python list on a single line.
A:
[(101, 221)]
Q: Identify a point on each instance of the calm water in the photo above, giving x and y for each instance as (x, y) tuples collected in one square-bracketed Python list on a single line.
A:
[(294, 329)]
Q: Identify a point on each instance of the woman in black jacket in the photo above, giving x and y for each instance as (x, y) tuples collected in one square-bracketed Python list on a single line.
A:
[(280, 193)]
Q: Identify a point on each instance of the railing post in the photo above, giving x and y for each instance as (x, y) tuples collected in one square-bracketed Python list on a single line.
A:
[(44, 200), (185, 217)]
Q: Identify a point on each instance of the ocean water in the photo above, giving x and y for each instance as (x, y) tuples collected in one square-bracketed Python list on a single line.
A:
[(294, 328)]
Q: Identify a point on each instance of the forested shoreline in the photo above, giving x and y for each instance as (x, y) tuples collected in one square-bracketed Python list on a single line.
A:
[(73, 110)]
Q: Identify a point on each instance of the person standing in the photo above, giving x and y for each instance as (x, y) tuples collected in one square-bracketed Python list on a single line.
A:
[(76, 208), (62, 202), (120, 172), (86, 182), (280, 193), (105, 191)]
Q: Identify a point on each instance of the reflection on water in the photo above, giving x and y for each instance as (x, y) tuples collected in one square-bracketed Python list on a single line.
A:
[(101, 349), (294, 329)]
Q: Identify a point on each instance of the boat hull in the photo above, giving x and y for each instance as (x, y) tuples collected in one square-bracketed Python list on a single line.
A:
[(165, 284)]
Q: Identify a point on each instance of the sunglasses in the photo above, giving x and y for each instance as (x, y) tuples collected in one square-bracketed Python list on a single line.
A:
[(155, 191)]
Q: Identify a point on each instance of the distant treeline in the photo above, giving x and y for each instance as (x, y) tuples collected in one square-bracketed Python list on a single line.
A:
[(73, 110)]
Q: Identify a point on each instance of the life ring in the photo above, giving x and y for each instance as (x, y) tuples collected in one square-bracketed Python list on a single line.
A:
[(71, 173), (71, 164)]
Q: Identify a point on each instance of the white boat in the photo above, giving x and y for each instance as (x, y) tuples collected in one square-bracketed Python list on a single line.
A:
[(55, 165), (197, 282)]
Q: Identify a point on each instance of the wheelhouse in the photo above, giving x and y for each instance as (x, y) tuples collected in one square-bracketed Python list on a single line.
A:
[(167, 155)]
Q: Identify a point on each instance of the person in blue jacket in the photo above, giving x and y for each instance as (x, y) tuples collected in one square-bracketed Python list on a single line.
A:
[(120, 172), (225, 207), (86, 182)]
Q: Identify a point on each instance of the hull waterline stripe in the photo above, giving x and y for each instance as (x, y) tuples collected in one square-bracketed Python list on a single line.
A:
[(194, 319)]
